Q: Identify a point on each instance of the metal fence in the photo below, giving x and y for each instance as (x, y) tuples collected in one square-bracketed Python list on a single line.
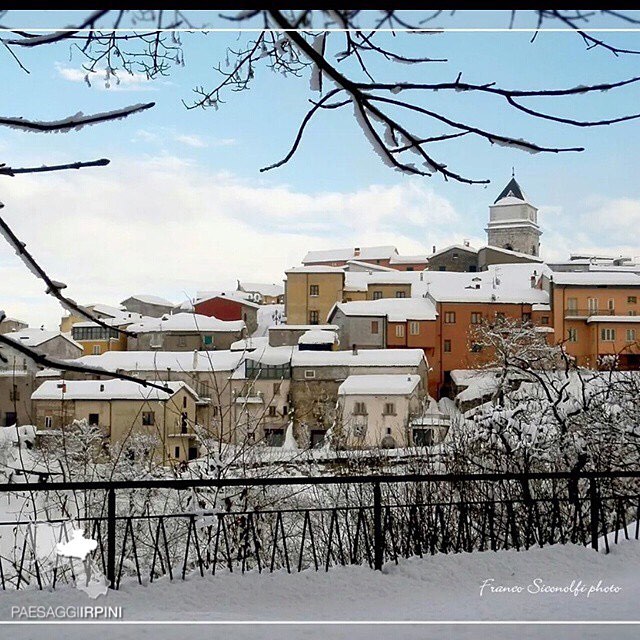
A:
[(152, 528)]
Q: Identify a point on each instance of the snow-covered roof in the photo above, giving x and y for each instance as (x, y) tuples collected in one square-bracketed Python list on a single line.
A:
[(379, 385), (478, 383), (454, 247), (249, 344), (517, 254), (363, 358), (272, 356), (543, 306), (186, 361), (187, 322), (304, 327), (594, 278), (148, 299), (362, 253), (31, 337), (415, 259), (628, 319), (368, 266), (237, 296), (395, 309), (315, 269), (318, 336), (107, 310), (265, 289), (104, 390), (500, 284)]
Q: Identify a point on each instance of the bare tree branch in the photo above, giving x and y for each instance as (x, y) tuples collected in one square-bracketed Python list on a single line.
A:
[(54, 288), (74, 122), (10, 171)]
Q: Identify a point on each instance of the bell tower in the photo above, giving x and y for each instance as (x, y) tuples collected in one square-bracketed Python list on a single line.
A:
[(513, 221)]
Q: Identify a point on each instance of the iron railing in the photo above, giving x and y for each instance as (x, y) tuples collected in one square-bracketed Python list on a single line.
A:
[(151, 528)]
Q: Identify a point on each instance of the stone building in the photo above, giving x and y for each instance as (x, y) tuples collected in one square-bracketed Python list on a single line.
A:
[(184, 332), (513, 222), (120, 408), (147, 305)]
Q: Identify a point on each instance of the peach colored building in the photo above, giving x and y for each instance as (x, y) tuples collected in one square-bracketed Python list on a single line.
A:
[(595, 314)]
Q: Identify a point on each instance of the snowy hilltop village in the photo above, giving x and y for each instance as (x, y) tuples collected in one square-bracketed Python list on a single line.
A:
[(379, 409), (361, 349)]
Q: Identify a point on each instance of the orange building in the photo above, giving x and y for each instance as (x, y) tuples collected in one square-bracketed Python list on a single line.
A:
[(595, 314)]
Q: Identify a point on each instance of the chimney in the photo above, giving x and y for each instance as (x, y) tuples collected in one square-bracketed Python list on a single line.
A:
[(466, 242), (101, 387), (356, 252), (421, 276), (434, 249), (354, 349), (533, 280), (195, 359)]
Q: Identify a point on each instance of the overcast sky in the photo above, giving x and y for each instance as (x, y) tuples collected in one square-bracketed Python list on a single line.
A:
[(183, 206)]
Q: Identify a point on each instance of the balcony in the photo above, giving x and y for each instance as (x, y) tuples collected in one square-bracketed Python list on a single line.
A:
[(586, 313)]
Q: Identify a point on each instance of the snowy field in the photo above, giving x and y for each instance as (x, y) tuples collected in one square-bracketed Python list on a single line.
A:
[(442, 587)]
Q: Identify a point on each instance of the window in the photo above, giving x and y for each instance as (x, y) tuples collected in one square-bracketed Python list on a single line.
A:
[(476, 318), (310, 373), (573, 335), (193, 453), (609, 335), (423, 437), (526, 317), (214, 411), (632, 299), (272, 412), (96, 350), (631, 335), (450, 317), (442, 268), (633, 313), (177, 452), (148, 418), (456, 256), (447, 346), (94, 419), (359, 409), (472, 268), (389, 409), (184, 402), (592, 305), (572, 304), (377, 295), (317, 437), (184, 421), (182, 341), (401, 294), (48, 422), (399, 331), (274, 437), (476, 347), (314, 317), (611, 304), (374, 326), (414, 328), (544, 320), (314, 290), (208, 339)]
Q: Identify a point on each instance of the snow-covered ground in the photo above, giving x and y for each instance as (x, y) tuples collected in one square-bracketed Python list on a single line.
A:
[(437, 588)]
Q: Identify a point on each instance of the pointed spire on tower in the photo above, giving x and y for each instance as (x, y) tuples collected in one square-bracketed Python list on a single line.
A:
[(513, 190)]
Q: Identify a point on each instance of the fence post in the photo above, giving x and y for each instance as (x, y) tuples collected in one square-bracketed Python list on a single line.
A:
[(111, 538), (593, 502), (378, 542)]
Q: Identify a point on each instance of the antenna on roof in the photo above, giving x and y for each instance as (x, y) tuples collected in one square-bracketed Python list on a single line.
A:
[(513, 172)]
